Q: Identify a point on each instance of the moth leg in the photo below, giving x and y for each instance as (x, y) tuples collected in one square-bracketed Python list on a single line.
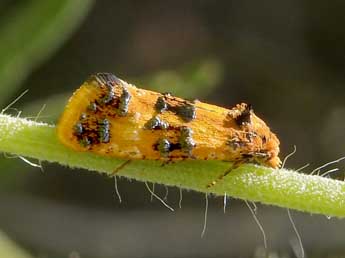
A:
[(167, 162), (116, 170), (221, 177)]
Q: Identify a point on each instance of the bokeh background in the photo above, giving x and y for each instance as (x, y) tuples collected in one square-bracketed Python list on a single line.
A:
[(286, 58)]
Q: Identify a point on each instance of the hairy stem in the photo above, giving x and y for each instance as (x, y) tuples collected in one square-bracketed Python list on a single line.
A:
[(281, 187)]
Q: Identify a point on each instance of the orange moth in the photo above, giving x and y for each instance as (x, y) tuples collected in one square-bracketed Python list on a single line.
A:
[(111, 117)]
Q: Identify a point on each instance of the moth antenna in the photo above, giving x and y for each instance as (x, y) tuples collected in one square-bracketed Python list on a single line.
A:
[(205, 216), (157, 197), (297, 233), (180, 200), (258, 223), (14, 101), (153, 190), (116, 170), (117, 190), (289, 155), (327, 164)]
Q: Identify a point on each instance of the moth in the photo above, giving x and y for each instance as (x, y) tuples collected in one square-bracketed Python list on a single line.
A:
[(111, 117)]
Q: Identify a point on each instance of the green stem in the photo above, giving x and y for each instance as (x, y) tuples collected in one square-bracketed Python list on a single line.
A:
[(8, 248), (281, 187)]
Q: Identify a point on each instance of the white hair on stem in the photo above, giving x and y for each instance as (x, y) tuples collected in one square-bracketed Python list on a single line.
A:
[(303, 167), (40, 112), (14, 156), (39, 165), (205, 216), (153, 190), (288, 211), (117, 190), (224, 202), (258, 223), (165, 198), (255, 208), (158, 198), (326, 165), (14, 101), (329, 172), (297, 234), (30, 163), (180, 200), (289, 155)]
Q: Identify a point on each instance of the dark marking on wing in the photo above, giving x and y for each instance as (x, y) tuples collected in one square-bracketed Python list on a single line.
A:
[(241, 114), (105, 78), (155, 123), (186, 141), (90, 131), (182, 108), (124, 102)]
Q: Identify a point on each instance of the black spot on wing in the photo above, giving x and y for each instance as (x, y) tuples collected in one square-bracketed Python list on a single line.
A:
[(183, 108), (90, 131), (155, 123)]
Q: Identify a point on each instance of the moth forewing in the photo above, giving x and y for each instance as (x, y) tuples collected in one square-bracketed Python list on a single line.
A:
[(110, 117)]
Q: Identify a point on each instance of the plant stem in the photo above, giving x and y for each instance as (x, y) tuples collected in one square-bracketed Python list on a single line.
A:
[(281, 187), (8, 248)]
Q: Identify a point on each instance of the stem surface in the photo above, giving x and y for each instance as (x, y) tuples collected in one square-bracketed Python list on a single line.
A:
[(280, 187)]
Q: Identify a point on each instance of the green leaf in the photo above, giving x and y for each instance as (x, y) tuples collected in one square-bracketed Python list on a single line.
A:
[(30, 32)]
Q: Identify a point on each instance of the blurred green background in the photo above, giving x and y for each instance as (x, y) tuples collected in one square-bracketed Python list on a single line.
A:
[(286, 58)]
